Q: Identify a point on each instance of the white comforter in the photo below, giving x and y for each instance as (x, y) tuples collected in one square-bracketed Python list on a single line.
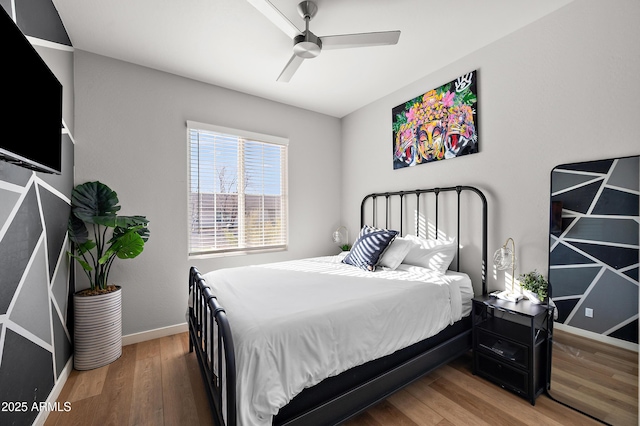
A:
[(296, 323)]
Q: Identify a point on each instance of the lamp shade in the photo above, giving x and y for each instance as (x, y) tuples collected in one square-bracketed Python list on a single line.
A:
[(505, 258), (341, 235)]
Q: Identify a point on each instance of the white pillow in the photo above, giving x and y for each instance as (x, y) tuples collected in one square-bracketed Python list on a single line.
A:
[(436, 255), (396, 252)]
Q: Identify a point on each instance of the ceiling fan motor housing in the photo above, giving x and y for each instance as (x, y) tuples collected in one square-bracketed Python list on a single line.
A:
[(307, 45)]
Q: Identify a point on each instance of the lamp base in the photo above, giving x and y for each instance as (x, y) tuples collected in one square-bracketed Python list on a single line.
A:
[(511, 297)]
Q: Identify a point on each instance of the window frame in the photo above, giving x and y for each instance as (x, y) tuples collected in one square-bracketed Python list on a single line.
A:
[(246, 136)]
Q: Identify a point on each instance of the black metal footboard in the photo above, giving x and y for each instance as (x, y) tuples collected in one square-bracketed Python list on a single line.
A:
[(210, 336)]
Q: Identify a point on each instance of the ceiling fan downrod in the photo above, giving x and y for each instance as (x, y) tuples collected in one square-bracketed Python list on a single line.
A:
[(307, 45)]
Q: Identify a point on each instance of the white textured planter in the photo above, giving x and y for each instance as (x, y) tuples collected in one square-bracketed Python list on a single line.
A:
[(533, 297), (97, 329)]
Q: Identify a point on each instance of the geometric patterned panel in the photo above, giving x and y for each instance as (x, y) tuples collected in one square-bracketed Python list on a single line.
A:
[(40, 19), (25, 254), (564, 308), (63, 348), (614, 257), (31, 304), (567, 221), (36, 340), (14, 175), (609, 287), (567, 180), (56, 214), (579, 199), (563, 255), (600, 167), (17, 245), (27, 375), (63, 183), (35, 344), (572, 282), (600, 227), (616, 202), (9, 200), (632, 273), (627, 332), (60, 285), (623, 176)]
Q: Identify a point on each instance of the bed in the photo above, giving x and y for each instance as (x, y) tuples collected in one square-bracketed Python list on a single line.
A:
[(325, 338)]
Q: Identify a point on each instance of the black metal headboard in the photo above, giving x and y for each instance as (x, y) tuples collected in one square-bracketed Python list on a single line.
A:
[(388, 196)]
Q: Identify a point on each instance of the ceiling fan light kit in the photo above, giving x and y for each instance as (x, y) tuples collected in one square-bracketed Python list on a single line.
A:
[(306, 45)]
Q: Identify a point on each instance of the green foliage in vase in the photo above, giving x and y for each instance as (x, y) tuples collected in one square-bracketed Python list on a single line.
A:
[(534, 282), (99, 235)]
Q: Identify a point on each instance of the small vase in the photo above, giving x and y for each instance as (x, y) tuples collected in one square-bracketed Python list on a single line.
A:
[(533, 297)]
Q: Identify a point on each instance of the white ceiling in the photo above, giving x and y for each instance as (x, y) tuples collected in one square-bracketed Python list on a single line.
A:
[(230, 44)]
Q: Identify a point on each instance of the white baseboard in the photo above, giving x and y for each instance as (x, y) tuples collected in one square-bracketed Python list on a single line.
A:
[(597, 337), (143, 336), (55, 393)]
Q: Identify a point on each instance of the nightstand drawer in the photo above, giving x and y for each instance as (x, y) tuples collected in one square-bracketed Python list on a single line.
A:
[(505, 349), (502, 373)]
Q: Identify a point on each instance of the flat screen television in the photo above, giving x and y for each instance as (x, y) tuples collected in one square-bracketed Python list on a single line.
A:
[(32, 104)]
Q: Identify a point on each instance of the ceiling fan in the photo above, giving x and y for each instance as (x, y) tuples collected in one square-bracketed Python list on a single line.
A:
[(307, 45)]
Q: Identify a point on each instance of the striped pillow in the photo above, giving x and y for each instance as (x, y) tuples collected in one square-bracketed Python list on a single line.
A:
[(369, 247)]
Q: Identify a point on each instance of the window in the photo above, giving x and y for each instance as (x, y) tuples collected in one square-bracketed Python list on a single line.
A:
[(238, 190)]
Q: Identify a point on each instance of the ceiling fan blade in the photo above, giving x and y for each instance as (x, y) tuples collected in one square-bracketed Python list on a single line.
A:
[(290, 69), (346, 41), (274, 15)]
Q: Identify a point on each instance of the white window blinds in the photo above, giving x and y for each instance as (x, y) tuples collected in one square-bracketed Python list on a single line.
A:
[(238, 190)]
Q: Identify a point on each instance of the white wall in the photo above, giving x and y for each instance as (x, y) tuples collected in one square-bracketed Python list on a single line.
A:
[(563, 89), (131, 135)]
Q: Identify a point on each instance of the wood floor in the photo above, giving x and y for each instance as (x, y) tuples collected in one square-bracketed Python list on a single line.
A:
[(597, 378), (158, 383)]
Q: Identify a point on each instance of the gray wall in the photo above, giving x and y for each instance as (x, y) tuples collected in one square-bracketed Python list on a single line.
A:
[(131, 135), (554, 92), (35, 343)]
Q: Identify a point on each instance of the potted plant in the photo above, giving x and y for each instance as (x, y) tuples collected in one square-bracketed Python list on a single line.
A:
[(534, 286), (99, 237)]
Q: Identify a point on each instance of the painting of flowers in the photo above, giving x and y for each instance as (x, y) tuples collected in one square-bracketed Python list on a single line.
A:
[(438, 125)]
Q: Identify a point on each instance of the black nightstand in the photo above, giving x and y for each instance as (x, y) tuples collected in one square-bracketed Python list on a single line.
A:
[(512, 344)]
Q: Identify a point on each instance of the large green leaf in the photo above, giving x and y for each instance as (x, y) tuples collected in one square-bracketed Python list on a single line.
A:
[(94, 202), (131, 221), (126, 223), (126, 246), (130, 245), (85, 247), (78, 232), (82, 262)]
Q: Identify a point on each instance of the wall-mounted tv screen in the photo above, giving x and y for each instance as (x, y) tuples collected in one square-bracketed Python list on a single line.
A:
[(32, 104)]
